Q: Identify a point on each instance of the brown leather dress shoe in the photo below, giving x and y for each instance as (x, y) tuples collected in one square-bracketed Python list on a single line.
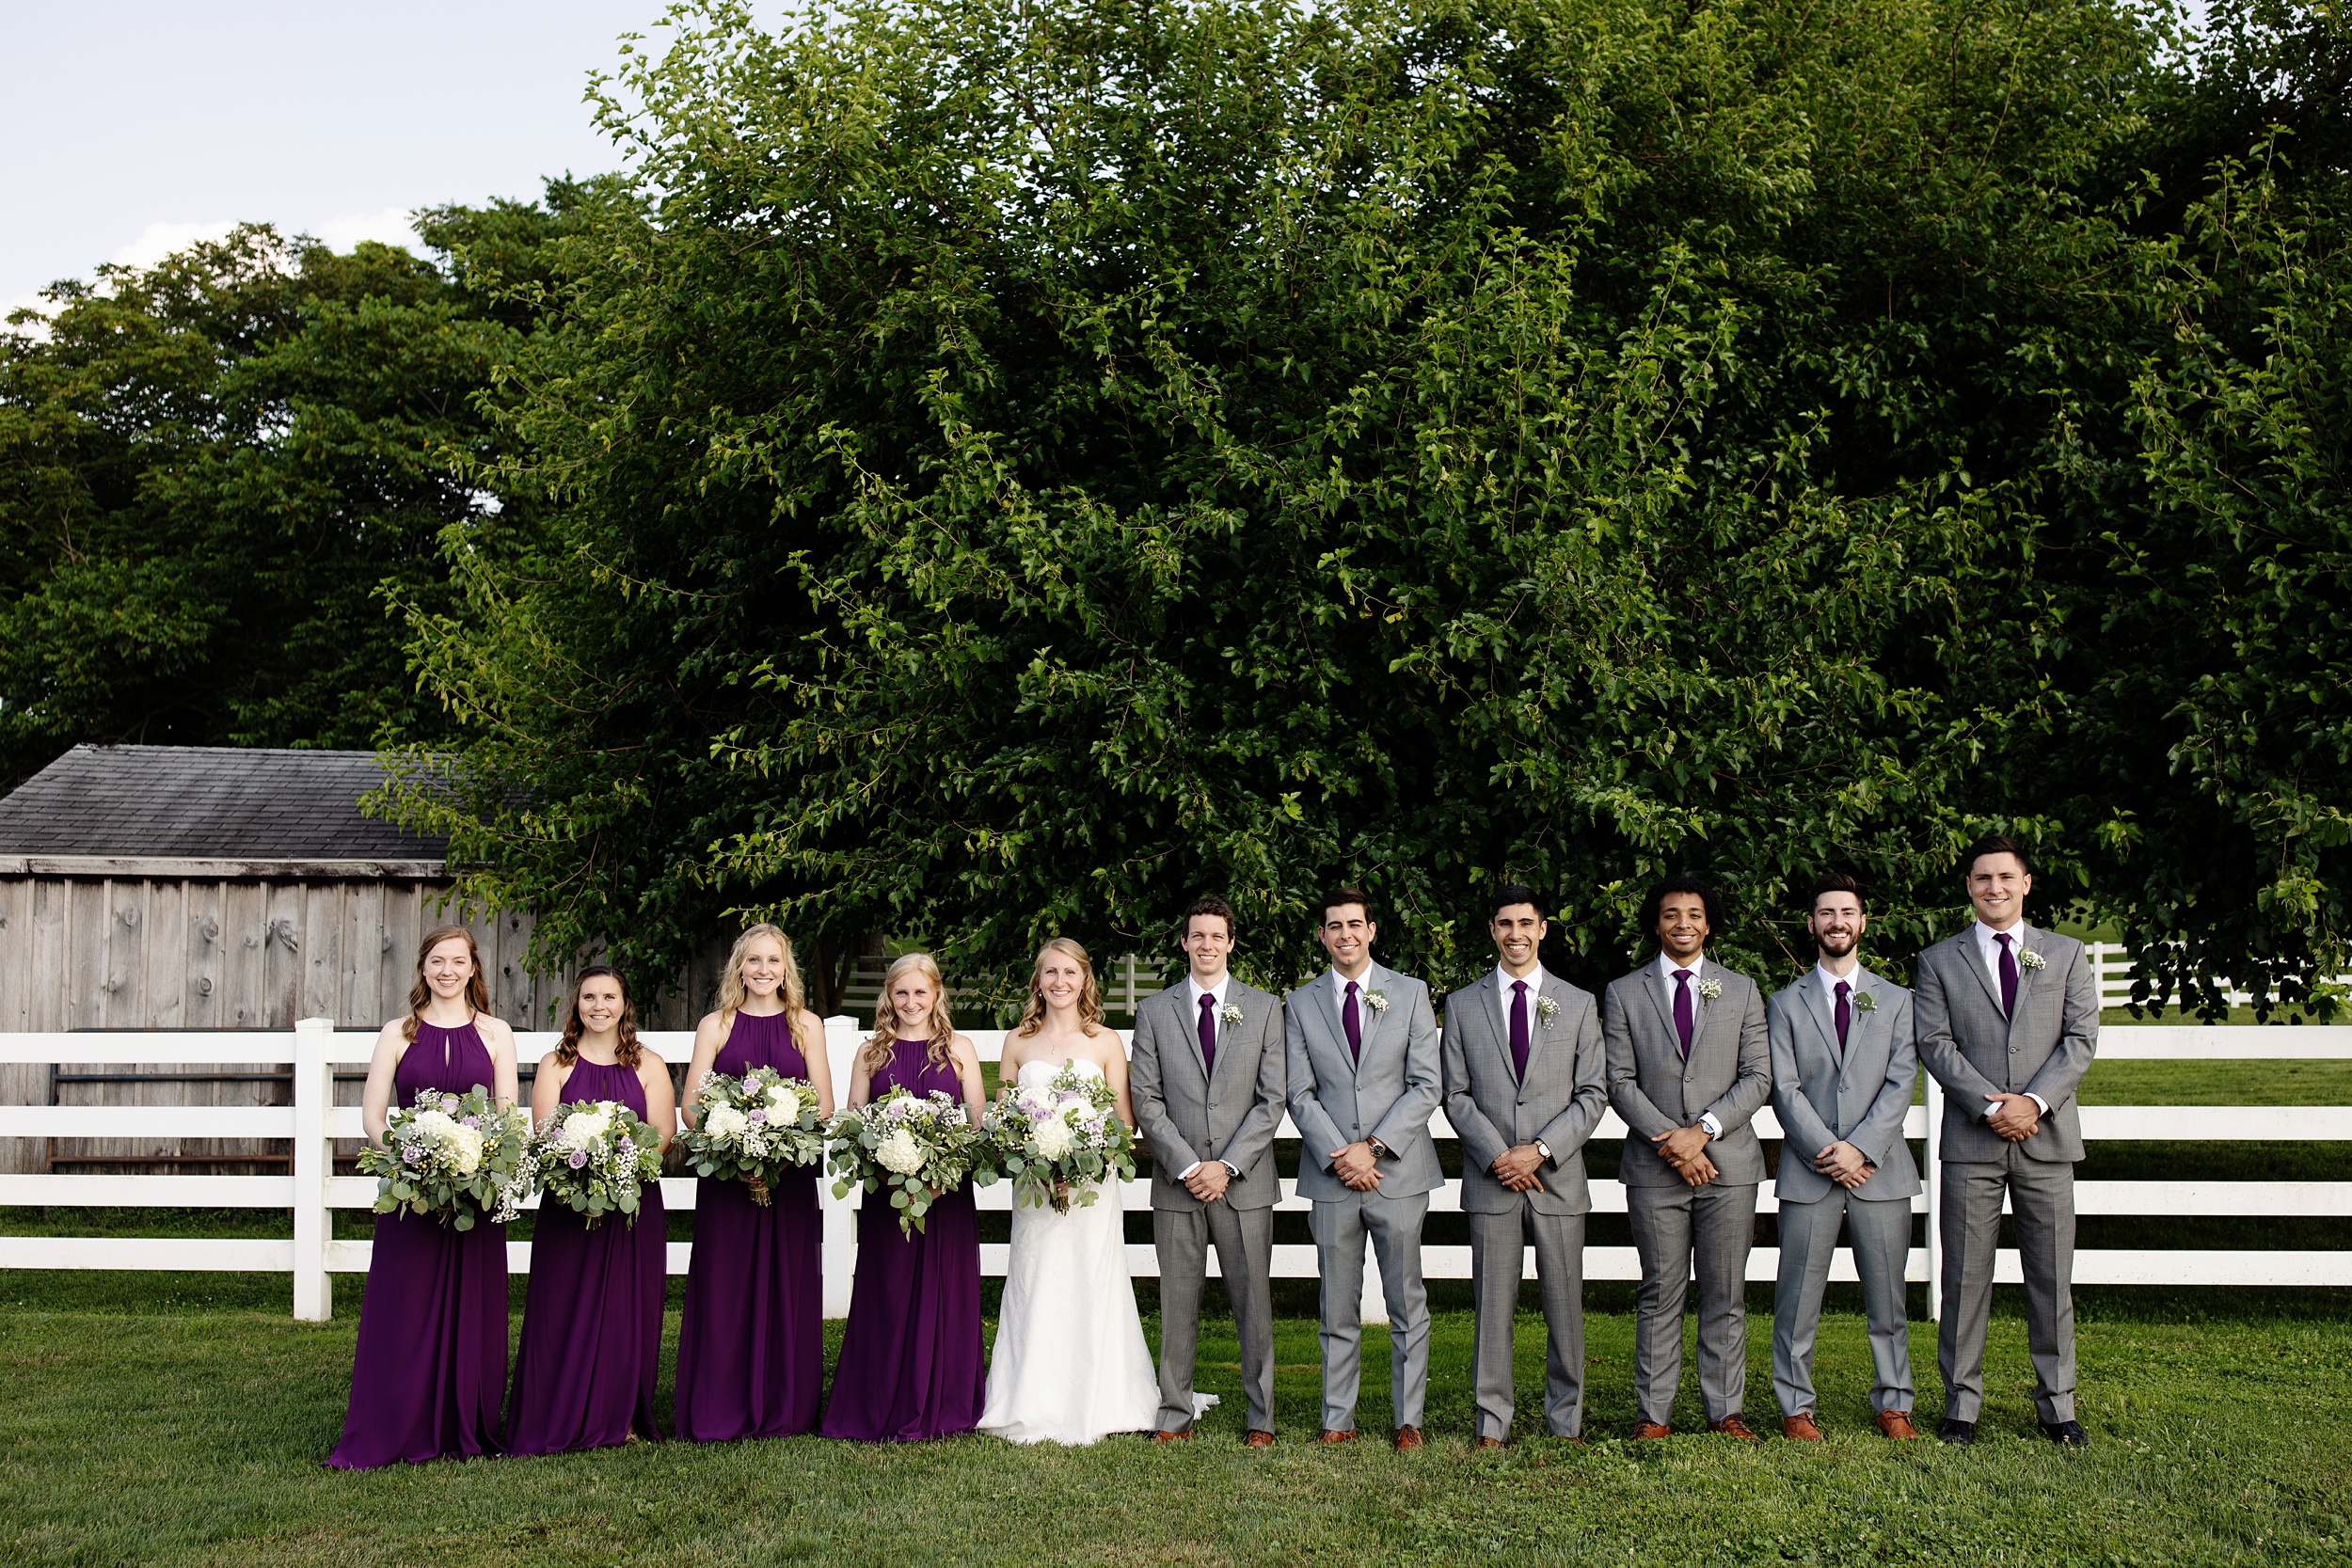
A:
[(1258, 1437), (1485, 1443), (1407, 1438), (1171, 1436), (1327, 1437), (1651, 1429), (1800, 1429), (1896, 1424), (1732, 1426)]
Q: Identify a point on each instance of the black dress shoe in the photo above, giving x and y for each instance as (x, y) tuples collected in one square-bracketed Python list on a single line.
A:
[(1958, 1433), (2069, 1434)]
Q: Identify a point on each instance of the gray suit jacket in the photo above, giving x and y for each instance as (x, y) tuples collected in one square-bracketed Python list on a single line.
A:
[(1859, 1096), (1654, 1090), (1559, 1103), (1973, 1050), (1186, 1113), (1390, 1093)]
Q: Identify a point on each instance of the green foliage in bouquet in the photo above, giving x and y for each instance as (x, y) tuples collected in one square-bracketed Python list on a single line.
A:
[(1057, 1144), (753, 1129), (594, 1157), (915, 1148), (457, 1156)]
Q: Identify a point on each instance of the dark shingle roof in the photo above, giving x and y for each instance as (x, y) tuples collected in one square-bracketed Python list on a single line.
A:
[(206, 802)]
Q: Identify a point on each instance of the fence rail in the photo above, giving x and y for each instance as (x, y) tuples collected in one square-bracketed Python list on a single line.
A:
[(315, 1051)]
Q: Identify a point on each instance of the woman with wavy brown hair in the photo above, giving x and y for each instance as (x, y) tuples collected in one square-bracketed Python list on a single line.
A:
[(429, 1376), (751, 1346), (910, 1363), (585, 1370)]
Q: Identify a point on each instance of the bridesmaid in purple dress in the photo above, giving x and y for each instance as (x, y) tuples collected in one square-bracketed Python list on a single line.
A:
[(429, 1376), (751, 1352), (590, 1344), (911, 1363)]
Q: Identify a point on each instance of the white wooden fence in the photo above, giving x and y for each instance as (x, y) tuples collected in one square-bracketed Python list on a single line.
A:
[(313, 1122)]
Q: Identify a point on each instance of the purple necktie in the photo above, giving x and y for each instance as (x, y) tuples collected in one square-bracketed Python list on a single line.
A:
[(2008, 975), (1845, 1016), (1682, 1009), (1518, 1028), (1353, 1024), (1208, 1031)]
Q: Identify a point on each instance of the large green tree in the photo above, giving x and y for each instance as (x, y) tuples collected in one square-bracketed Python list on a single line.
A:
[(213, 469), (1007, 468)]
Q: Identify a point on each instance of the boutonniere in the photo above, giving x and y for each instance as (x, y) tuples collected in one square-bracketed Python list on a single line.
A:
[(1229, 1014), (1710, 990), (1867, 1001), (1546, 1009), (2032, 960), (1376, 1000)]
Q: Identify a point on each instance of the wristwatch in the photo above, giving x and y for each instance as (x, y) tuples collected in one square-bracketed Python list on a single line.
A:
[(1543, 1148), (1379, 1150)]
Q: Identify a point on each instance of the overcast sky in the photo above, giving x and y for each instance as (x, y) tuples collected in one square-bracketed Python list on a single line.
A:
[(131, 126)]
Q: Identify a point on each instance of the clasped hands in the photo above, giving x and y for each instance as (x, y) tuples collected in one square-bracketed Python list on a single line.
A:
[(1208, 1180), (1356, 1165), (1516, 1169), (1843, 1164), (2014, 1116), (1685, 1149)]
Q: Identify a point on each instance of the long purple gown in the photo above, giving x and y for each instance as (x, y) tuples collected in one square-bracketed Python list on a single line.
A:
[(911, 1363), (750, 1350), (429, 1376), (592, 1314)]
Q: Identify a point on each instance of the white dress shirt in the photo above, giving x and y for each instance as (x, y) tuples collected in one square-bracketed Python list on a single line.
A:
[(1505, 980), (1989, 952), (1193, 993), (1668, 968), (1852, 981)]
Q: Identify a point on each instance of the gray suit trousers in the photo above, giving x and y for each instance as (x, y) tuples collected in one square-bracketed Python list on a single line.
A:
[(1680, 1232), (2042, 1200), (1394, 1227), (1497, 1266), (1245, 1255), (1881, 1231)]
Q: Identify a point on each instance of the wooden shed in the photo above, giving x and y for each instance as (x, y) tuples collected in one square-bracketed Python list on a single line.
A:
[(202, 888)]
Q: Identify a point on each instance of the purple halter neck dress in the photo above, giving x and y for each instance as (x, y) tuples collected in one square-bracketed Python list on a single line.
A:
[(592, 1315), (750, 1350), (910, 1363), (429, 1376)]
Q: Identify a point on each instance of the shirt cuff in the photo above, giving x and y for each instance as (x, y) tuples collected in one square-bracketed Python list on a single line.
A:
[(1185, 1175), (1714, 1127), (2038, 1100)]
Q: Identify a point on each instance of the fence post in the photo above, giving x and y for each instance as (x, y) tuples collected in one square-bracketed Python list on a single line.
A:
[(313, 1095), (1935, 1199), (839, 1251)]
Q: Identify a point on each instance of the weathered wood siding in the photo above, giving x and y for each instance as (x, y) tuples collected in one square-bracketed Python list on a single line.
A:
[(130, 952)]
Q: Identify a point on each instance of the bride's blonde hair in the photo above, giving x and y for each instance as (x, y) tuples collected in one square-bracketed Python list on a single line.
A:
[(885, 1040), (1089, 995)]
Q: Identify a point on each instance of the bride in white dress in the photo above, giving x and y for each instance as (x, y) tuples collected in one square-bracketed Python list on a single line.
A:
[(1070, 1363)]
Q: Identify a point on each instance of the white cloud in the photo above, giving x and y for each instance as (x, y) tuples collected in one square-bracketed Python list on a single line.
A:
[(161, 239), (390, 226)]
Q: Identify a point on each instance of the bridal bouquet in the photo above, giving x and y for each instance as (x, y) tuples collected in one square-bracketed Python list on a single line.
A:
[(753, 1129), (917, 1146), (594, 1157), (452, 1155), (1062, 1139)]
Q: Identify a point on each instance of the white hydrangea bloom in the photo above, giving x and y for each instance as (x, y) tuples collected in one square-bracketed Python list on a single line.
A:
[(1054, 1137), (783, 1102), (725, 1121), (583, 1128), (900, 1153), (464, 1146)]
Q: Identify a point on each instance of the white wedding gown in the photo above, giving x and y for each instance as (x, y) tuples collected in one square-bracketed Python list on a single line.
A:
[(1071, 1364)]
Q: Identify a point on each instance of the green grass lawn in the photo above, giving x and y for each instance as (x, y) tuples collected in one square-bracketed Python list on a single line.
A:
[(195, 1436)]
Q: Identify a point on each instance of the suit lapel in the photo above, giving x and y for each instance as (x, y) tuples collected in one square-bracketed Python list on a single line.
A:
[(1327, 1008), (1490, 1007), (1656, 983), (1188, 1020), (1974, 958), (1823, 1019)]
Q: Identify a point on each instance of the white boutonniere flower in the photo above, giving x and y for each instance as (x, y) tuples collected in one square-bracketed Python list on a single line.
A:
[(1710, 990), (1546, 1009), (2032, 960), (1867, 1001), (1376, 1000), (1229, 1014)]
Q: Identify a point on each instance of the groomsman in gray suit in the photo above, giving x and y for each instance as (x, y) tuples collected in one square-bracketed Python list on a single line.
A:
[(1364, 1081), (1689, 1066), (1524, 1087), (1206, 1079), (2008, 1021), (1843, 1065)]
